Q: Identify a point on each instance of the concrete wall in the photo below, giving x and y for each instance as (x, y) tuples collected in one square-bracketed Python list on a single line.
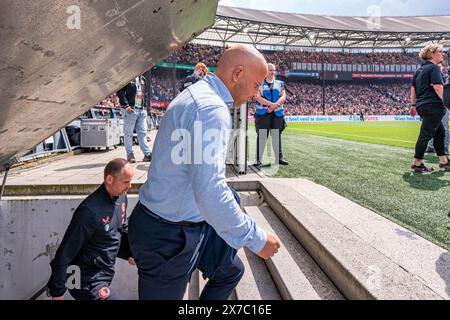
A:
[(30, 232)]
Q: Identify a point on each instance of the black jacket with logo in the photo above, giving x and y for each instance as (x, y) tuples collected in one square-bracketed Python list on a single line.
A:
[(96, 235)]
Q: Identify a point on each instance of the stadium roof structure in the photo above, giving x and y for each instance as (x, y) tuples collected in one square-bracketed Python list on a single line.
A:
[(281, 29)]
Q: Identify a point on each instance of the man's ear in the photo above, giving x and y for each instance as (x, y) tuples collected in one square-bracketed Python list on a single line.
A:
[(238, 72), (109, 179)]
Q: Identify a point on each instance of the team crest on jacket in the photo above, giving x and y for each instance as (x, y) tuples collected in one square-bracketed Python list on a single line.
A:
[(104, 293), (106, 223)]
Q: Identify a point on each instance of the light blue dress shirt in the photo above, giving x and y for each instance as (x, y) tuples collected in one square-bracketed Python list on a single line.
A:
[(186, 179)]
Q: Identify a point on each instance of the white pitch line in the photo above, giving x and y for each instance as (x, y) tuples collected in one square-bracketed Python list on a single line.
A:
[(351, 135)]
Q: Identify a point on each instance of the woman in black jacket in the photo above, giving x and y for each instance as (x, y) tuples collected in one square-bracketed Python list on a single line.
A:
[(427, 101)]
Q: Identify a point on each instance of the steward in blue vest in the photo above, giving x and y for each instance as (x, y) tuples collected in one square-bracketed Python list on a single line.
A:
[(269, 115)]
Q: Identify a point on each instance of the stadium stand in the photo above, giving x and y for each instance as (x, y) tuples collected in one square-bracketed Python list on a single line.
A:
[(191, 53), (372, 96)]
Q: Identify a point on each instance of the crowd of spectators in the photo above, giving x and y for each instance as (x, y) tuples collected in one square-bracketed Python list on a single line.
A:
[(162, 87), (284, 59), (193, 53), (305, 98), (346, 99)]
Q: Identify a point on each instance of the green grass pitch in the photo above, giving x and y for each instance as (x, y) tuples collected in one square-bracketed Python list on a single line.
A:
[(401, 134)]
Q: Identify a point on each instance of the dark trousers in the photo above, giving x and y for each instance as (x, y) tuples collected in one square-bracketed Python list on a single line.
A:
[(100, 291), (265, 124), (431, 127), (166, 254)]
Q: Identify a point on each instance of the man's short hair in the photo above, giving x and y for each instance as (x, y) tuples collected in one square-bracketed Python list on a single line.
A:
[(428, 51), (201, 66), (115, 167)]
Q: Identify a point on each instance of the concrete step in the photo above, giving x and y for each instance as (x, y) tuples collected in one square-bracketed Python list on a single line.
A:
[(256, 283), (295, 273), (354, 265), (426, 261)]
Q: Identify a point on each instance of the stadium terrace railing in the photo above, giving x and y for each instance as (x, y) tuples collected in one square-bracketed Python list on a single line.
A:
[(303, 66)]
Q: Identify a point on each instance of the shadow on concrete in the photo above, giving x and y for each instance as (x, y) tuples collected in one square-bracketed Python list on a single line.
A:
[(84, 166), (143, 167), (429, 182), (443, 268), (259, 269)]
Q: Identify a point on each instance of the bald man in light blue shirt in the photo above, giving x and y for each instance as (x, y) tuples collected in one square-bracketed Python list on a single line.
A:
[(186, 185)]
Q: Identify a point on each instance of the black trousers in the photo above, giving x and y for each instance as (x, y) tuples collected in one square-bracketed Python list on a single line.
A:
[(265, 124), (165, 255), (431, 127)]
